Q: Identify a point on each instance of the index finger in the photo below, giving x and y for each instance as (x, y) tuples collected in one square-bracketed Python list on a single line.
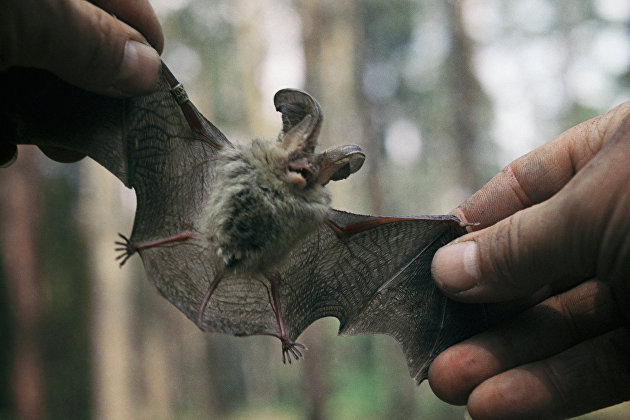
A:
[(541, 173), (140, 15)]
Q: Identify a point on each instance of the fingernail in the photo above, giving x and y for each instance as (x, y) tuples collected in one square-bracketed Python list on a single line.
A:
[(456, 267), (139, 70)]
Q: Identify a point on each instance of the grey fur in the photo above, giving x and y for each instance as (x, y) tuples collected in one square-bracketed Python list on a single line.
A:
[(255, 214)]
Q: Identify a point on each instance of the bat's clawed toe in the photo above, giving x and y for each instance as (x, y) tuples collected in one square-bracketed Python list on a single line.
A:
[(126, 249), (291, 348)]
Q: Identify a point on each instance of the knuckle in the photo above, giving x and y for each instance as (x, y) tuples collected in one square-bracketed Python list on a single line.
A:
[(513, 172), (607, 365), (587, 377), (104, 54), (618, 114), (568, 317), (555, 381), (618, 373), (504, 267), (20, 43)]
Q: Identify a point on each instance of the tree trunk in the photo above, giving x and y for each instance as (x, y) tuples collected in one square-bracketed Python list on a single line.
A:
[(465, 97), (111, 300), (19, 217)]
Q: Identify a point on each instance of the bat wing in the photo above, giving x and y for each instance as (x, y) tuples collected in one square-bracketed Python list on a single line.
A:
[(376, 278), (158, 144)]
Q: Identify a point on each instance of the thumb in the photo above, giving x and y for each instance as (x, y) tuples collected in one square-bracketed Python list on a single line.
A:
[(578, 229), (83, 45), (515, 257)]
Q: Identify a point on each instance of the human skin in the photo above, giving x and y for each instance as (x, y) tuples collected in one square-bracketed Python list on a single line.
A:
[(554, 223), (110, 47)]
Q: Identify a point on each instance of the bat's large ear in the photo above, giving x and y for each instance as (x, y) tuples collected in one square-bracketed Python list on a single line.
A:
[(301, 120), (339, 163)]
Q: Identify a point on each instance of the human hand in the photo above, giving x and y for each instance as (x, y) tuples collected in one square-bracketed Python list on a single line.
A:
[(92, 45), (555, 222)]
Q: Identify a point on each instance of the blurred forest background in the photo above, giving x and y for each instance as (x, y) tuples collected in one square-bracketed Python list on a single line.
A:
[(440, 94)]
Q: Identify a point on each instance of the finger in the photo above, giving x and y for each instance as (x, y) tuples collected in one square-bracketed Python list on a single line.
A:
[(538, 175), (140, 15), (86, 46), (549, 328), (577, 234), (589, 376)]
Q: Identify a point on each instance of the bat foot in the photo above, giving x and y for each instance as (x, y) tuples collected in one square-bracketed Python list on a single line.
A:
[(126, 249), (291, 348)]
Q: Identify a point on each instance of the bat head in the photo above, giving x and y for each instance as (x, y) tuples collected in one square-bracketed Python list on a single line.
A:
[(268, 195), (301, 123)]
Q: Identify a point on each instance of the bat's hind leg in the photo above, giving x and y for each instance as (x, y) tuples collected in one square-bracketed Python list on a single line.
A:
[(289, 347), (128, 248), (206, 299)]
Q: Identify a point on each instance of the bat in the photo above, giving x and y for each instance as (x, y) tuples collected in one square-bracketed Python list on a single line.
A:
[(242, 238)]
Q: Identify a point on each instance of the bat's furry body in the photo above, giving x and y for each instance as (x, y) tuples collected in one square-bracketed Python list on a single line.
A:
[(258, 211)]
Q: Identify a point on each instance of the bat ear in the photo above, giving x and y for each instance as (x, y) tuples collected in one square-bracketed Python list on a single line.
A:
[(339, 163), (301, 120)]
